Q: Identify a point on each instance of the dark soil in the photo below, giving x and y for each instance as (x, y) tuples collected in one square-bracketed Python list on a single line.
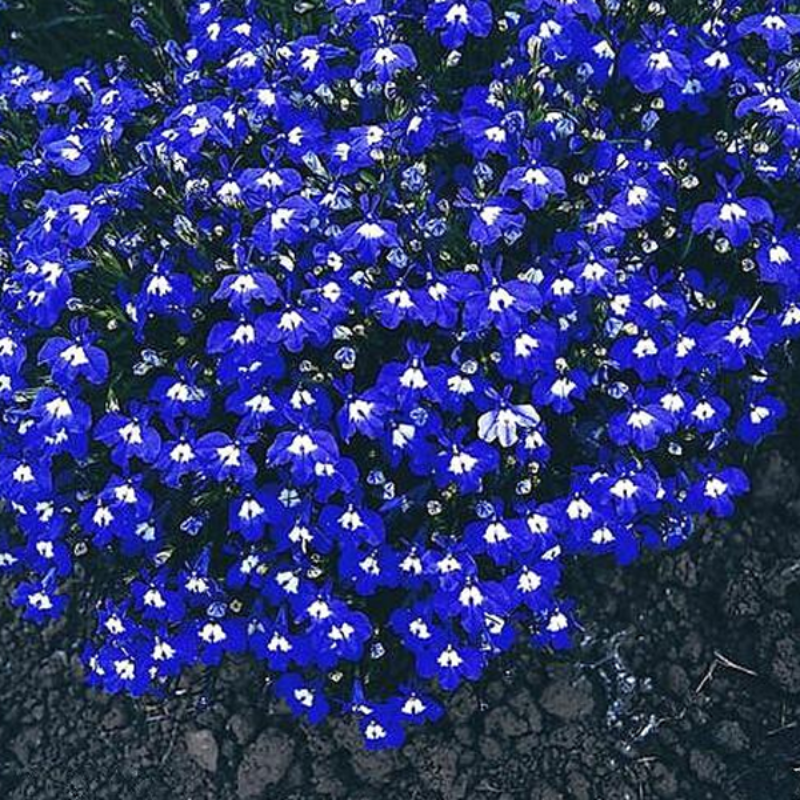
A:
[(687, 687)]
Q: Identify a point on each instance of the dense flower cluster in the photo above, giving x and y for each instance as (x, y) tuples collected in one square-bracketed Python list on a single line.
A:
[(335, 340)]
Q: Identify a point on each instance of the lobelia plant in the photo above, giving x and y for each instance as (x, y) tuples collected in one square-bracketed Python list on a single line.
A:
[(331, 334)]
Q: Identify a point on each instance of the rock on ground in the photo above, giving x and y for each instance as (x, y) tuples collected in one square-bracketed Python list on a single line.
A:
[(203, 749), (264, 763)]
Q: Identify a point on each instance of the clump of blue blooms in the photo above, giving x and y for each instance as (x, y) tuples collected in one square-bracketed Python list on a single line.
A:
[(336, 340)]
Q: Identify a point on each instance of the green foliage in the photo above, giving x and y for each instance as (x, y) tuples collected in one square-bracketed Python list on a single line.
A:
[(59, 34)]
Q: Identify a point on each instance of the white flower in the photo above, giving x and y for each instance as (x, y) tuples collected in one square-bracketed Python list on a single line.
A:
[(501, 424)]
